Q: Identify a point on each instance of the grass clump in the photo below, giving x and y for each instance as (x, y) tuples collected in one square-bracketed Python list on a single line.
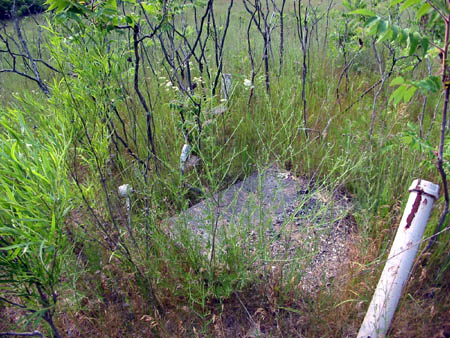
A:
[(33, 207)]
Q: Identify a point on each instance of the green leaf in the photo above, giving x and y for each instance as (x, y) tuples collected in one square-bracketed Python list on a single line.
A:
[(109, 11), (40, 176), (346, 4), (57, 5), (395, 30), (150, 8), (363, 11), (397, 81), (41, 252), (395, 2), (407, 140), (409, 94), (13, 152), (14, 254), (408, 3), (382, 27), (129, 19), (424, 9), (5, 230), (371, 21), (373, 25), (111, 4), (52, 228), (397, 95), (437, 82), (429, 84), (20, 245), (386, 36), (403, 36), (425, 43), (414, 39)]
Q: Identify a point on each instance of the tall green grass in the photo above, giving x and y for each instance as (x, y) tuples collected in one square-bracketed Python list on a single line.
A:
[(34, 203)]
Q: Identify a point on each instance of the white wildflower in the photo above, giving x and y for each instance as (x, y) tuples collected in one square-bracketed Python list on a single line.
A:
[(247, 83), (198, 79)]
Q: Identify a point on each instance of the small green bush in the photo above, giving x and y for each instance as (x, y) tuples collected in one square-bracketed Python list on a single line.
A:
[(34, 200), (24, 7)]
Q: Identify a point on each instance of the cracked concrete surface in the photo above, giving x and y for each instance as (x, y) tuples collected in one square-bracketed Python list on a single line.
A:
[(308, 228)]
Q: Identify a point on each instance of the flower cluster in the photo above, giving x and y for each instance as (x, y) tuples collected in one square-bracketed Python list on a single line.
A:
[(248, 84)]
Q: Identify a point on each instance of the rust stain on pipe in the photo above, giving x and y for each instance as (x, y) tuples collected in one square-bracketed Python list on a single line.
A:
[(414, 209)]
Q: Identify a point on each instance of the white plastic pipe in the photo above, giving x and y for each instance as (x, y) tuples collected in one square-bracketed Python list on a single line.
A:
[(226, 86), (185, 152), (401, 258), (125, 191)]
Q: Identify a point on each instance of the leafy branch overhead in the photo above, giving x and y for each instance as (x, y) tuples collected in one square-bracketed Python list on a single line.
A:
[(384, 30), (407, 88), (410, 38)]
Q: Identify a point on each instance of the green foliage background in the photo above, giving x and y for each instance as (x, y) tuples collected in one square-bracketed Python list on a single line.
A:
[(24, 7)]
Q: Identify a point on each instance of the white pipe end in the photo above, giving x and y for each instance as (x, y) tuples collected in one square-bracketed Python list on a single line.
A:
[(125, 190), (185, 152), (425, 187)]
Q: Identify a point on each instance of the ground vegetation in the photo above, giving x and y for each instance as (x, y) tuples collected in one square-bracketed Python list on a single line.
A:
[(174, 101)]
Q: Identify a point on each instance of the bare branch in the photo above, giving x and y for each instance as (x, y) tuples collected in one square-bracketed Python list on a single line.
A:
[(22, 334)]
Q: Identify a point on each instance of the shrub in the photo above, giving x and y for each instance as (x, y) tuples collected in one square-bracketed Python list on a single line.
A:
[(24, 7), (33, 204)]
